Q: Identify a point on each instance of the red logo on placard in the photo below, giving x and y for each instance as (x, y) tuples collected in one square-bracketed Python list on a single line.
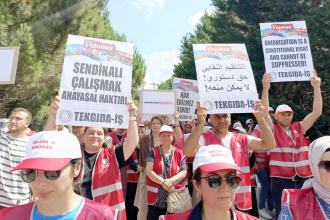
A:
[(282, 27)]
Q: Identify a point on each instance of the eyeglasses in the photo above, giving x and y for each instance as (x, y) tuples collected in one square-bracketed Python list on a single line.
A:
[(215, 181), (325, 164), (29, 176)]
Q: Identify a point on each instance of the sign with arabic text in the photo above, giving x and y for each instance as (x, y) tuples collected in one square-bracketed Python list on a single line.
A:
[(287, 51), (225, 78)]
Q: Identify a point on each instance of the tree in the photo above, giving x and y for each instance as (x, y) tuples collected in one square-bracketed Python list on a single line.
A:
[(236, 21), (40, 28)]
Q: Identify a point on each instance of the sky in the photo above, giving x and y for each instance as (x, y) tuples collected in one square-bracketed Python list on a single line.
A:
[(156, 28)]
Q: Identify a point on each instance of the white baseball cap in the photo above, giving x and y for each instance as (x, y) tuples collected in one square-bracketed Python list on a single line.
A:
[(248, 121), (270, 109), (50, 151), (283, 108), (166, 128), (212, 158)]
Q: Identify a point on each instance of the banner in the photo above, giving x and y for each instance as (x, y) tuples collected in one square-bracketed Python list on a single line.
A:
[(186, 97), (286, 50), (96, 83), (8, 64), (225, 78), (157, 102)]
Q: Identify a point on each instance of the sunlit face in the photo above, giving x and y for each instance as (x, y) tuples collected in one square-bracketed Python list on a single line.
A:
[(325, 173), (221, 198), (155, 125), (49, 192), (220, 121), (18, 122), (93, 139), (187, 128), (284, 118), (166, 138), (165, 120)]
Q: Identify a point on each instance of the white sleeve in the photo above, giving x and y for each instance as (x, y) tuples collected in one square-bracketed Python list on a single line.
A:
[(201, 141)]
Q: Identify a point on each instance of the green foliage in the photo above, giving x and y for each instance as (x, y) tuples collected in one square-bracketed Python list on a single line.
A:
[(167, 85), (237, 21), (40, 28)]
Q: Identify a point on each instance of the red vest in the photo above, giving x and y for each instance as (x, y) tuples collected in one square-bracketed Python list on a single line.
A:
[(303, 204), (240, 151), (262, 157), (290, 156), (89, 210), (152, 187), (133, 176), (115, 139), (106, 181), (185, 216)]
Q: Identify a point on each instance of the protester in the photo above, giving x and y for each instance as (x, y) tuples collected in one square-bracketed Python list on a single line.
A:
[(52, 166), (249, 126), (239, 144), (288, 162), (146, 143), (216, 179), (78, 131), (101, 180), (132, 180), (262, 166), (313, 200), (187, 127), (13, 191), (165, 119), (166, 171)]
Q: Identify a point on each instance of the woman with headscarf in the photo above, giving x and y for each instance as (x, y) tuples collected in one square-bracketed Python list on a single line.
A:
[(313, 200), (52, 166)]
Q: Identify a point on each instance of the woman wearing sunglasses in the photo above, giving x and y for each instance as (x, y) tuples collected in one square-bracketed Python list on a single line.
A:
[(215, 179), (52, 166), (101, 181), (313, 200)]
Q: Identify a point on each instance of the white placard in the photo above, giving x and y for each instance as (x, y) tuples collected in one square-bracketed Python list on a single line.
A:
[(8, 64), (157, 102), (96, 83), (225, 79), (4, 122), (287, 51), (186, 97)]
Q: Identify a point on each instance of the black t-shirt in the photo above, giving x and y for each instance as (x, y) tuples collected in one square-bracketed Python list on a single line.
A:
[(86, 189)]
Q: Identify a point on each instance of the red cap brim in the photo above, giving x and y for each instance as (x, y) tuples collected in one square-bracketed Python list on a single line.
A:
[(212, 167), (47, 164)]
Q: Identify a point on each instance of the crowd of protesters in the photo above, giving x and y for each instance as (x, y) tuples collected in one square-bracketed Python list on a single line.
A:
[(207, 168)]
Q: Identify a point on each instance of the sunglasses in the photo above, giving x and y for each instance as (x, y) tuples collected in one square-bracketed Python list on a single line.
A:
[(29, 176), (215, 181), (325, 164)]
